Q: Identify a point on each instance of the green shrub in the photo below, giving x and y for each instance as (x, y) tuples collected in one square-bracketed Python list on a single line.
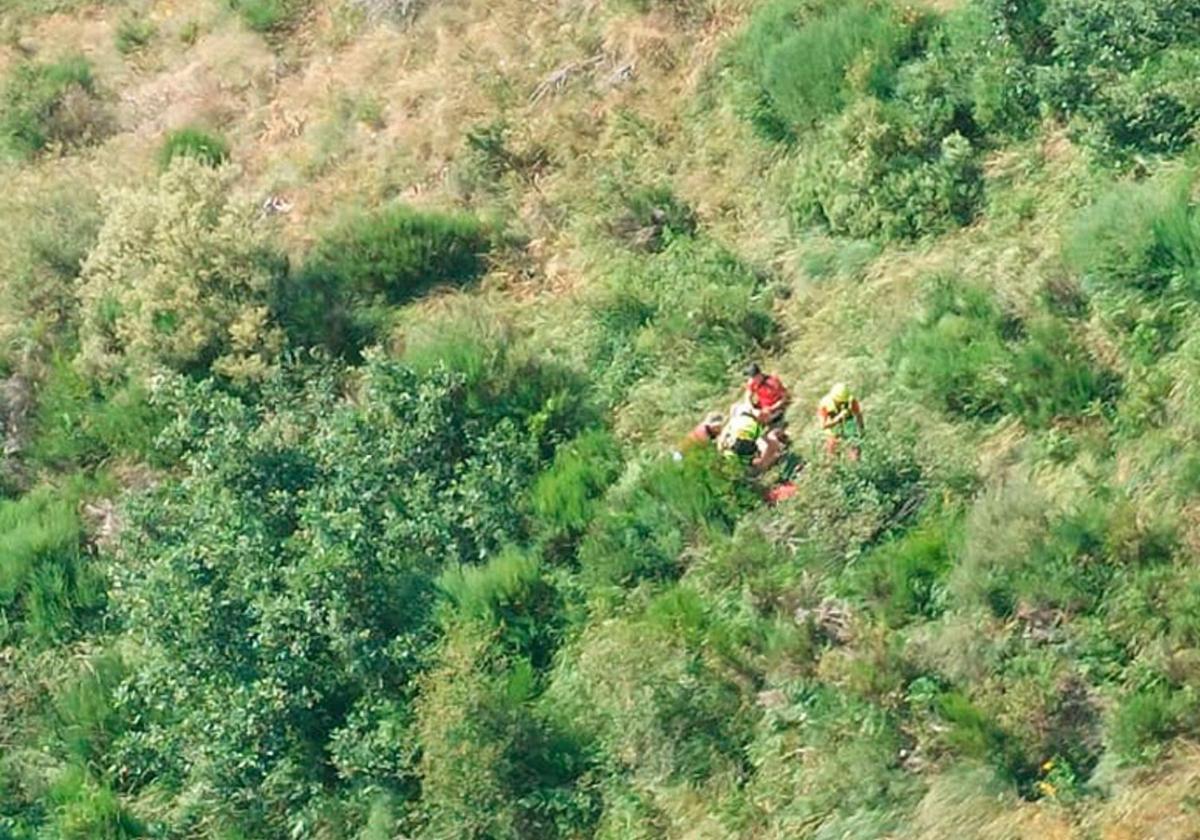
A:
[(47, 586), (976, 361), (210, 149), (1128, 69), (85, 718), (1147, 718), (269, 16), (852, 784), (1137, 250), (47, 228), (339, 297), (806, 61), (43, 104), (906, 576), (77, 423), (508, 595), (878, 172), (133, 33), (180, 277), (643, 528), (565, 496), (86, 808)]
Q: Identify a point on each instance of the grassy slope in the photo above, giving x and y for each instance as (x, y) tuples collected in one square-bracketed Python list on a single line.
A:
[(344, 115)]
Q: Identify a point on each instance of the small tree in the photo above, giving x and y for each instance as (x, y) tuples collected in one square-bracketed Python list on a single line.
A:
[(179, 277)]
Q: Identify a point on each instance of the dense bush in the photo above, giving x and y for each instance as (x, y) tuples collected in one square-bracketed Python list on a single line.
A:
[(285, 584), (805, 61), (338, 298), (1148, 717), (906, 576), (180, 277), (77, 422), (648, 520), (974, 360), (677, 321), (44, 104), (204, 146), (877, 172)]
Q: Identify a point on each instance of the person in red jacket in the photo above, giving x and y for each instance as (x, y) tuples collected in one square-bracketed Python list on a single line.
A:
[(766, 395)]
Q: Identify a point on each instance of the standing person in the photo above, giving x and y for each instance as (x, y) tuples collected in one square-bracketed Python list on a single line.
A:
[(835, 411)]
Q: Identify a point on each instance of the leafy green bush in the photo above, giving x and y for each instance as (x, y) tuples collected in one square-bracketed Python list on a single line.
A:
[(805, 61), (338, 298), (976, 361), (180, 278), (528, 772), (852, 786), (86, 808), (507, 594), (680, 319), (283, 586), (1127, 68), (204, 146), (47, 228), (43, 104), (907, 575), (877, 171), (1148, 717), (645, 524)]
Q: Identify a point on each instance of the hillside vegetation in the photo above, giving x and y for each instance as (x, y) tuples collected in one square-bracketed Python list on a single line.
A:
[(345, 346)]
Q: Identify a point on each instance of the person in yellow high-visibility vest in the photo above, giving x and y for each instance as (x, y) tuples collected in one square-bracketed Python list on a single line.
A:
[(835, 412), (747, 438)]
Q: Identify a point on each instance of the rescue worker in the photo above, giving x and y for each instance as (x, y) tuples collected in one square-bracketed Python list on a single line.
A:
[(835, 412), (766, 395), (747, 438)]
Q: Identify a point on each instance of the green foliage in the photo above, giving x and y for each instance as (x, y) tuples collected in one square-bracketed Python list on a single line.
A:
[(210, 149), (526, 773), (971, 359), (269, 16), (86, 809), (180, 278), (806, 60), (676, 320), (133, 33), (339, 297), (46, 230), (282, 589), (565, 497), (44, 104), (1148, 717), (509, 595), (79, 423), (649, 520), (878, 171), (49, 588), (907, 575), (851, 784)]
